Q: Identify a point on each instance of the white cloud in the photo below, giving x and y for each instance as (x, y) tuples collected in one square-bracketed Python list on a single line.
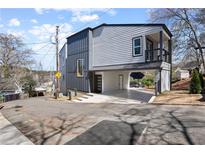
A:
[(44, 32), (46, 10), (39, 10), (1, 25), (34, 21), (20, 34), (14, 22), (85, 18), (87, 15), (81, 15)]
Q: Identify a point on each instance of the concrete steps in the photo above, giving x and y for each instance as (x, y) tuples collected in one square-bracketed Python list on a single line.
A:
[(83, 98)]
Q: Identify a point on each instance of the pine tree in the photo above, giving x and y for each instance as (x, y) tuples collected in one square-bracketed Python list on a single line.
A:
[(195, 86)]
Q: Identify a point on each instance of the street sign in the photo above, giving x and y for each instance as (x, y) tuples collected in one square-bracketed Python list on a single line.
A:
[(58, 75)]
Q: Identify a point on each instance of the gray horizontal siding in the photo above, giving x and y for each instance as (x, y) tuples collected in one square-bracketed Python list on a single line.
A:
[(112, 45), (77, 49)]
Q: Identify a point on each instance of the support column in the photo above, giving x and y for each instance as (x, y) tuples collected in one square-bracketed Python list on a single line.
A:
[(157, 81), (161, 44), (170, 60), (162, 80)]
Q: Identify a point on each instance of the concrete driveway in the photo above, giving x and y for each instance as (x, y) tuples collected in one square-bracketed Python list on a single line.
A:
[(55, 122), (130, 96)]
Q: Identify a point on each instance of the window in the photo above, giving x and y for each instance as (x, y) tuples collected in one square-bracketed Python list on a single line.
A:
[(136, 44), (79, 67)]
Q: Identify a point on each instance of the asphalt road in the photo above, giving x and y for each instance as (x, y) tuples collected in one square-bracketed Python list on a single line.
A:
[(52, 122)]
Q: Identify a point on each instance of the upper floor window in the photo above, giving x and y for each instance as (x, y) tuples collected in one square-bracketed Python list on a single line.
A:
[(79, 67), (137, 46)]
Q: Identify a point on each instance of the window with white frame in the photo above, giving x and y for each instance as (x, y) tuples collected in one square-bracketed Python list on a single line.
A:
[(137, 46), (79, 67)]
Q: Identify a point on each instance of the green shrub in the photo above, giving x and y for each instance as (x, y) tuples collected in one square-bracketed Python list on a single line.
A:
[(174, 76), (1, 97), (195, 85), (28, 84), (201, 80), (148, 81), (133, 81)]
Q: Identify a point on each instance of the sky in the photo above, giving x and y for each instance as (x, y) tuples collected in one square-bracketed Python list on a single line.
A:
[(36, 27)]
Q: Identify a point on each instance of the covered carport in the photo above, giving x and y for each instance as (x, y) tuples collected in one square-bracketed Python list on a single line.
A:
[(117, 79), (115, 88)]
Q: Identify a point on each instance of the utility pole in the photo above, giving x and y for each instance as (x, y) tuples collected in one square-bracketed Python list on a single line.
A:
[(57, 63)]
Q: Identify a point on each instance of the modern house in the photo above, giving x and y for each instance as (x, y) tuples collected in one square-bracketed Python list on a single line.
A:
[(101, 59)]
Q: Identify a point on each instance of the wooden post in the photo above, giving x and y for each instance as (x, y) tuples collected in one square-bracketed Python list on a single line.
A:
[(57, 64), (161, 44), (69, 95), (75, 91)]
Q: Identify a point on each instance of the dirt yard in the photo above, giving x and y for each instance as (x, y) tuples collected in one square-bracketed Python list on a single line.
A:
[(180, 98)]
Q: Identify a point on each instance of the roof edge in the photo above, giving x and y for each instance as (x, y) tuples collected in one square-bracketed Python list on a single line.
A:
[(141, 24), (87, 28)]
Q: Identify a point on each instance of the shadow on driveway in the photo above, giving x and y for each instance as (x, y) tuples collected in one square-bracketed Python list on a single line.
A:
[(168, 127), (133, 94), (109, 133)]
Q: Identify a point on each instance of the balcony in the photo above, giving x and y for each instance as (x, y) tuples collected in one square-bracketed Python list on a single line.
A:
[(155, 56), (158, 47)]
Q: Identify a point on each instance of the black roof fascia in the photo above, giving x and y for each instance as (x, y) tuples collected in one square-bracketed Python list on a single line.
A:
[(146, 24), (85, 29)]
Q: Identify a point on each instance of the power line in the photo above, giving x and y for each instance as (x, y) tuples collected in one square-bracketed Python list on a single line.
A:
[(42, 53), (50, 62), (46, 53), (44, 46), (36, 43), (40, 60)]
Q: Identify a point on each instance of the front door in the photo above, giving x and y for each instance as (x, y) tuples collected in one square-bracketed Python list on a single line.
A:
[(120, 81), (98, 84)]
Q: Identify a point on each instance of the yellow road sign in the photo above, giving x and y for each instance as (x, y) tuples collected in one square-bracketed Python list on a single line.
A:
[(58, 74)]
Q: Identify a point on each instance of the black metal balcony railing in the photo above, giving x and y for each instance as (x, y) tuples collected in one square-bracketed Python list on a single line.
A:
[(154, 55)]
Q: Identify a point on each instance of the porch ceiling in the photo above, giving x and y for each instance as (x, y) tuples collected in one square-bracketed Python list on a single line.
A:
[(155, 37), (134, 66)]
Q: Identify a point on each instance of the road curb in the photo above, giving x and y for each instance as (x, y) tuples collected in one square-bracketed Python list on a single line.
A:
[(152, 99), (10, 135)]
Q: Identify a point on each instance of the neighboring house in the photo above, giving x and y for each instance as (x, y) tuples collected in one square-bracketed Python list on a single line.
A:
[(190, 65), (182, 74), (101, 59), (41, 76)]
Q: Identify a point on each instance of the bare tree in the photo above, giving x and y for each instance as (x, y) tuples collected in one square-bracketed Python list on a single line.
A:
[(14, 57), (187, 28)]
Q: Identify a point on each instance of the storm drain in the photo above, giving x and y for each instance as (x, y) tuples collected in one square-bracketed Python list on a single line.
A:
[(110, 133)]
